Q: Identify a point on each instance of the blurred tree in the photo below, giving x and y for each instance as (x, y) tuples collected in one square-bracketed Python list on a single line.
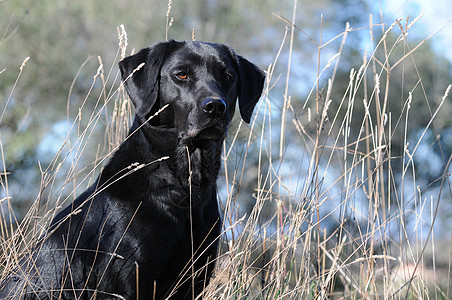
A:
[(62, 37), (425, 75)]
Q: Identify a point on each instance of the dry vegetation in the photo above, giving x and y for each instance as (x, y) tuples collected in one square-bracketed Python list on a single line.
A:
[(282, 248)]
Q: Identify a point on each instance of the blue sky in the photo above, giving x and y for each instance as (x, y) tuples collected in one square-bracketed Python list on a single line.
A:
[(437, 17)]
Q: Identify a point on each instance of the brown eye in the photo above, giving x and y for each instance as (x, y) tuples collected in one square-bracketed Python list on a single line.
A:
[(182, 75)]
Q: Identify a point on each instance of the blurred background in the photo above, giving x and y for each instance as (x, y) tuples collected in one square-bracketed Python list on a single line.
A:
[(65, 39)]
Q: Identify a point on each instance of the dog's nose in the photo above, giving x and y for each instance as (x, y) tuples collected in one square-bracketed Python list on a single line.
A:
[(215, 107)]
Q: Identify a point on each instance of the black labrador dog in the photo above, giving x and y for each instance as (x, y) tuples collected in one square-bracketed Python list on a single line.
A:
[(149, 227)]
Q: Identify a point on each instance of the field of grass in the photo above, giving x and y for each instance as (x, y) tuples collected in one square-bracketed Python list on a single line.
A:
[(334, 213)]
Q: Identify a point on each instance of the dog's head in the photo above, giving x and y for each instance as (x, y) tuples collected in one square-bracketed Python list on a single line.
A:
[(200, 83)]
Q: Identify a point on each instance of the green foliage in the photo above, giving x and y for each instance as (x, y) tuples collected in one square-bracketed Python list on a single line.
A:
[(65, 38)]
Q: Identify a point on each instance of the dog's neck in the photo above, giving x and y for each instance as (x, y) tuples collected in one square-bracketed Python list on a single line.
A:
[(167, 163), (193, 166), (200, 166)]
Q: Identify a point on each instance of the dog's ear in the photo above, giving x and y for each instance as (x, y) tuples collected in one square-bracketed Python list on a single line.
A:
[(251, 84), (142, 84)]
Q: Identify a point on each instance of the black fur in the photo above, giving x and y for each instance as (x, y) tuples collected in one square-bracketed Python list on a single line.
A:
[(154, 203)]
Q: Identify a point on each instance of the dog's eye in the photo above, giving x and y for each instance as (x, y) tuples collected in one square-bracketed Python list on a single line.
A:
[(226, 77), (182, 75)]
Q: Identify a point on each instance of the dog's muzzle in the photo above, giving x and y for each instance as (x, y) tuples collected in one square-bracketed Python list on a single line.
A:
[(214, 107)]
